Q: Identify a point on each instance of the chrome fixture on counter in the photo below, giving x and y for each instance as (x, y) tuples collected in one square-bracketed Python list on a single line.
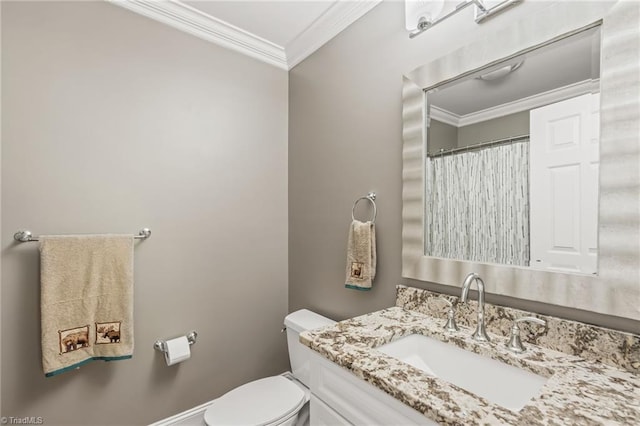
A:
[(515, 344), (450, 325), (480, 335)]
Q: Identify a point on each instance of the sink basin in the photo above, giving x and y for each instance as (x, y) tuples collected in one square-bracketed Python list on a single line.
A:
[(497, 382)]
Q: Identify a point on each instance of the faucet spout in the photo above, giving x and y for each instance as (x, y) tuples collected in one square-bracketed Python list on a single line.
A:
[(480, 334)]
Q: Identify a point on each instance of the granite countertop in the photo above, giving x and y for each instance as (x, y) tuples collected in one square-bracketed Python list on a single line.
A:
[(578, 391)]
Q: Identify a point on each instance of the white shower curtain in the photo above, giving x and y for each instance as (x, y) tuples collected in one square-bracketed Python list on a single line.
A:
[(477, 205)]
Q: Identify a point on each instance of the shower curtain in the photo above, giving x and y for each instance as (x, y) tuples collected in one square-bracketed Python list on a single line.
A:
[(477, 205)]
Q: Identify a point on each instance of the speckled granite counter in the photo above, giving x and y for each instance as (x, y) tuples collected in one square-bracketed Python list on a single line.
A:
[(578, 391), (615, 348)]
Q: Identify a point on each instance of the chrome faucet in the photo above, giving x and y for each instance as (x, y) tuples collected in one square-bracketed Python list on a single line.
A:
[(480, 335)]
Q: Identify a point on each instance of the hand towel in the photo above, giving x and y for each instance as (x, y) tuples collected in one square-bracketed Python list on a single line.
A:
[(361, 255), (86, 302)]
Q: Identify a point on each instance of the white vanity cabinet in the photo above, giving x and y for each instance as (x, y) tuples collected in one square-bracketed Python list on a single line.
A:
[(340, 398)]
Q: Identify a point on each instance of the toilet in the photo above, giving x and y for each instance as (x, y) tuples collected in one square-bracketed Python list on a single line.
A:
[(278, 400)]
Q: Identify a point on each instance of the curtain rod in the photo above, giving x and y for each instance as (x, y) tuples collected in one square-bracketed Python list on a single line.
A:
[(481, 145)]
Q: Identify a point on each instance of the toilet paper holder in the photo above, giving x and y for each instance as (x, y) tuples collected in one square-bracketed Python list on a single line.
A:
[(161, 345)]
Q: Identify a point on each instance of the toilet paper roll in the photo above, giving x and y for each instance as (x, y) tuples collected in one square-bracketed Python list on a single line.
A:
[(178, 350)]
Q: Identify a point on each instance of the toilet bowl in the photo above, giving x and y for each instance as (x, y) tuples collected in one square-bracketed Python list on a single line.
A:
[(277, 400), (270, 401)]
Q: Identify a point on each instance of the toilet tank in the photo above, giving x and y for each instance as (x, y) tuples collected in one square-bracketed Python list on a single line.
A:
[(297, 322)]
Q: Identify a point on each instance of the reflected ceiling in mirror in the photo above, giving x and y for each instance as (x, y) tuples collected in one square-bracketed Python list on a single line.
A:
[(570, 61)]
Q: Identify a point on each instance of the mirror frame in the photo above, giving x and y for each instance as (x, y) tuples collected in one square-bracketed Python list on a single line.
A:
[(616, 289)]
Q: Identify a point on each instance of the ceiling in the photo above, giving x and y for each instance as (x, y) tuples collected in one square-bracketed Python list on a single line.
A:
[(279, 32), (280, 22)]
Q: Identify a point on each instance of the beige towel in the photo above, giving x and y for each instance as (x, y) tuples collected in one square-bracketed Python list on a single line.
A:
[(86, 300), (361, 255)]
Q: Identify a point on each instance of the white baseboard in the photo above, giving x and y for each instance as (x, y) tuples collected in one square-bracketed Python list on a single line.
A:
[(185, 417)]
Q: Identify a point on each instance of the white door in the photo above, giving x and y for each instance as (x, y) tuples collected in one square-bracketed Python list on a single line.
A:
[(564, 159)]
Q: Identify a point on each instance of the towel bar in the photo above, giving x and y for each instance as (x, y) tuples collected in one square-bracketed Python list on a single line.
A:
[(25, 236), (371, 197)]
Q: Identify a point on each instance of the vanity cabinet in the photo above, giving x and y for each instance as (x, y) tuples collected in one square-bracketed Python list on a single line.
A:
[(340, 398), (323, 415)]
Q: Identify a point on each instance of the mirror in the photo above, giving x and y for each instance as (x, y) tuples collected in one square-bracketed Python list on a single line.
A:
[(512, 160), (615, 289)]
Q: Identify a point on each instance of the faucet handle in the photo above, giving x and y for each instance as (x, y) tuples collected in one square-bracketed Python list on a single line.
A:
[(450, 325), (444, 299), (515, 344)]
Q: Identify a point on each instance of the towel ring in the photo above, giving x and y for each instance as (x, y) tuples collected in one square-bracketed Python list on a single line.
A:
[(371, 197)]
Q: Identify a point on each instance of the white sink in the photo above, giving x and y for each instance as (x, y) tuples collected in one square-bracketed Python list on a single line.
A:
[(497, 382)]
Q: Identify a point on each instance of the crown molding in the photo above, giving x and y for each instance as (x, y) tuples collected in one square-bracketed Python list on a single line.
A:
[(524, 104), (190, 20), (444, 116), (333, 21)]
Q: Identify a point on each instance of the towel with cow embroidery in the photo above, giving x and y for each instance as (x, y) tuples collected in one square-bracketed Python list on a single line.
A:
[(86, 302), (361, 255)]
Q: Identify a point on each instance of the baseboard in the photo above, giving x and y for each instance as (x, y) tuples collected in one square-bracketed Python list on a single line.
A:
[(184, 416)]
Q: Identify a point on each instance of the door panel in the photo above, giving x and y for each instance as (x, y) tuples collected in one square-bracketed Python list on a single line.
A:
[(564, 158)]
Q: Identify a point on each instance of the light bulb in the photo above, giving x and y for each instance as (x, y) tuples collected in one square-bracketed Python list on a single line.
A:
[(425, 11)]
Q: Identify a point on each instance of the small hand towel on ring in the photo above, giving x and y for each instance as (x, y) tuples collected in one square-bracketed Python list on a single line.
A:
[(86, 300), (361, 255)]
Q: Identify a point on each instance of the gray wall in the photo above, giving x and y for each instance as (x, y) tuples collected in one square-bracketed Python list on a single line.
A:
[(345, 138), (445, 136), (112, 122), (441, 136), (499, 128)]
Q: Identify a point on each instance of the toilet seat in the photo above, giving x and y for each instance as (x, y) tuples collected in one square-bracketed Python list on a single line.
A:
[(262, 402)]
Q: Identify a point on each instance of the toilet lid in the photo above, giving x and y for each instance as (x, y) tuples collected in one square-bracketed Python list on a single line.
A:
[(256, 403)]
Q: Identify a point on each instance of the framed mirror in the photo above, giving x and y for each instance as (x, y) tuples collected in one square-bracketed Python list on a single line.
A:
[(610, 283)]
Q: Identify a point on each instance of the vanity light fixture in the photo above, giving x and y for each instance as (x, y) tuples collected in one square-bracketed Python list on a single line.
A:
[(420, 15)]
